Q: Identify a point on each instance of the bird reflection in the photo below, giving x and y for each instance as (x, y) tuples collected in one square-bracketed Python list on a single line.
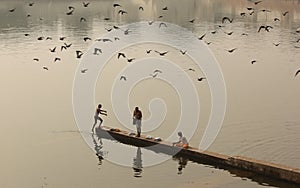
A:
[(137, 164), (182, 162)]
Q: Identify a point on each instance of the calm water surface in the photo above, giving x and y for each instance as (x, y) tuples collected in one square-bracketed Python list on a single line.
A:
[(40, 143)]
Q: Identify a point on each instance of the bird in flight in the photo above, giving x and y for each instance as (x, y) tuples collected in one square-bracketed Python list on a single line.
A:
[(86, 39), (154, 75), (192, 21), (63, 47), (84, 70), (130, 60), (12, 10), (62, 38), (201, 37), (226, 18), (228, 33), (276, 19), (265, 27), (231, 50), (116, 5), (191, 69), (157, 71), (150, 22), (45, 68), (276, 44), (40, 38), (297, 72), (141, 8), (148, 51), (285, 13), (68, 45), (31, 4), (96, 50), (123, 78), (122, 12), (165, 8), (70, 12), (183, 52), (121, 54), (85, 4), (57, 59), (161, 53), (108, 30), (162, 24), (79, 54), (52, 50), (36, 59), (201, 78), (253, 61), (257, 2), (104, 40), (71, 8), (82, 19)]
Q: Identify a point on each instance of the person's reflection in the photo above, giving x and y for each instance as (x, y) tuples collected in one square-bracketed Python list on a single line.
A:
[(182, 162), (98, 146), (137, 164)]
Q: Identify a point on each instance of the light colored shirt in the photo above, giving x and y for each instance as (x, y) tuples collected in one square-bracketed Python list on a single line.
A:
[(183, 140)]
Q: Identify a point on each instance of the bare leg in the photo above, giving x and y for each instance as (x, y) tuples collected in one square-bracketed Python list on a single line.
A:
[(94, 124)]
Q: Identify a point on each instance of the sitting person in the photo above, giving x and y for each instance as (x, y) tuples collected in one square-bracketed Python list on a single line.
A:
[(182, 142)]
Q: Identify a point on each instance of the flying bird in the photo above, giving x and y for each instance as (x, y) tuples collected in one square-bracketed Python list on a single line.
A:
[(116, 38), (201, 37), (116, 27), (86, 39), (82, 19), (228, 33), (48, 38), (257, 2), (71, 8), (265, 10), (285, 13), (243, 14), (157, 71), (63, 47), (84, 70), (104, 40), (298, 71), (12, 10), (165, 8), (26, 34), (121, 54), (130, 60), (250, 8), (96, 50), (85, 4), (126, 32), (162, 24), (45, 68), (31, 4), (183, 52), (70, 12), (52, 50), (208, 43), (161, 53), (62, 38), (148, 51), (108, 30), (252, 12), (231, 50), (79, 54), (106, 18), (116, 5), (226, 18), (276, 19), (123, 78), (122, 12), (253, 61), (201, 78), (191, 69), (150, 22), (276, 44), (68, 45), (154, 75), (40, 38), (57, 59), (141, 8), (192, 21), (36, 59)]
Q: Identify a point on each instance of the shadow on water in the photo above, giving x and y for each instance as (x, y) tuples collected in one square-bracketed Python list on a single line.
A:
[(183, 161)]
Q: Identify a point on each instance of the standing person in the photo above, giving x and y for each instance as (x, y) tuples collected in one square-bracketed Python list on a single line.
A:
[(97, 117), (182, 142), (137, 120)]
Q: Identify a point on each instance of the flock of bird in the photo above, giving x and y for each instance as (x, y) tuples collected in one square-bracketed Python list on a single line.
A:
[(225, 20)]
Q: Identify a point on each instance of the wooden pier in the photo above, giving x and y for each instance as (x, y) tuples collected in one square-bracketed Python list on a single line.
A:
[(262, 168)]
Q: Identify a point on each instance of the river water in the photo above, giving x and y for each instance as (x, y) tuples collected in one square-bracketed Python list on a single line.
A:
[(41, 144)]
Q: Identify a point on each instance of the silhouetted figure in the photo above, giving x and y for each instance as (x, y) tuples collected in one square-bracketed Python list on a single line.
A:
[(137, 120), (97, 117), (137, 163)]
